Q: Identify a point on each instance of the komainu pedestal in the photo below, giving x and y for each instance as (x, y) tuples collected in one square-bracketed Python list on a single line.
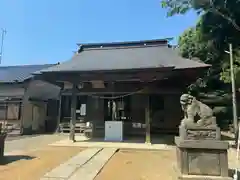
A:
[(201, 154)]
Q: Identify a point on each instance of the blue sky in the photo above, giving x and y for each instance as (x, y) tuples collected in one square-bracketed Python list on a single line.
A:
[(46, 31)]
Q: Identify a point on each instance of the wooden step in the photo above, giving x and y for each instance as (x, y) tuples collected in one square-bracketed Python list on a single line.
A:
[(65, 127)]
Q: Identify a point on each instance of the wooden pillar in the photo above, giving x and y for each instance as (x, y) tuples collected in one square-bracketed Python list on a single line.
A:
[(112, 103), (23, 106), (73, 113), (59, 112), (111, 109), (19, 111), (147, 121), (6, 116)]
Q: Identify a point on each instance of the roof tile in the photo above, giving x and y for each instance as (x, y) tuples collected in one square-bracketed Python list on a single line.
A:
[(9, 74), (125, 58)]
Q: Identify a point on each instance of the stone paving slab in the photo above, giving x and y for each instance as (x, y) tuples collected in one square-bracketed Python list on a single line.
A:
[(65, 170), (52, 178), (90, 170), (83, 157), (195, 177)]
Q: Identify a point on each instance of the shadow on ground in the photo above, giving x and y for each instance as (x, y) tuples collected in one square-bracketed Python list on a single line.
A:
[(12, 158)]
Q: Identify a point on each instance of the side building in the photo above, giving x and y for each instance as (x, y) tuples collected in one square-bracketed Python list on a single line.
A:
[(21, 98)]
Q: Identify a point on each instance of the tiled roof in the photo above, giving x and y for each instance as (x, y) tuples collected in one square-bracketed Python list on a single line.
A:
[(133, 55), (9, 74)]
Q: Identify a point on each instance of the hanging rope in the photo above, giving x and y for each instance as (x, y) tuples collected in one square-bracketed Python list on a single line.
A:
[(117, 97), (125, 95)]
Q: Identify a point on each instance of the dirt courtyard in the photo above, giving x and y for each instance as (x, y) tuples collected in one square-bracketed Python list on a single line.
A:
[(140, 165), (149, 165), (32, 165), (124, 164)]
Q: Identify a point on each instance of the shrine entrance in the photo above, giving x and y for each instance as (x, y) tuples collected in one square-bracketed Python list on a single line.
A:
[(137, 83)]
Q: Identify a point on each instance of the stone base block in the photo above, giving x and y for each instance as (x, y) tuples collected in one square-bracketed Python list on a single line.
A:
[(195, 177), (194, 132), (202, 159)]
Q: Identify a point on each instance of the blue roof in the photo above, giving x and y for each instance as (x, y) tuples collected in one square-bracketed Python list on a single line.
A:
[(10, 74)]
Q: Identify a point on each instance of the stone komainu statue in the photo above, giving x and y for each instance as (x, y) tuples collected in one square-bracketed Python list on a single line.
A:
[(195, 112)]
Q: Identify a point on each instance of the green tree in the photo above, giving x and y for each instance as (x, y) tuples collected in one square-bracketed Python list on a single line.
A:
[(225, 74), (227, 9), (193, 45), (218, 26)]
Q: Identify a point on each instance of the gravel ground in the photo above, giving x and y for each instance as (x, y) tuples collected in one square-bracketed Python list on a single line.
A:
[(26, 143), (147, 165), (33, 164), (140, 165)]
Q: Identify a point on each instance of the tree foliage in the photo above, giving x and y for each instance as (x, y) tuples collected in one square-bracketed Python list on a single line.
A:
[(227, 9), (192, 45), (209, 39), (225, 74)]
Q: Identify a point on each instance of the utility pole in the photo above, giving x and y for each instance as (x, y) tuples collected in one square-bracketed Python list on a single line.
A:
[(234, 102), (1, 49)]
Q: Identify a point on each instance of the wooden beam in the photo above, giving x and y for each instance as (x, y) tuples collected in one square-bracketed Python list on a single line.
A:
[(120, 76), (73, 113), (107, 76), (147, 121), (125, 88), (48, 79)]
